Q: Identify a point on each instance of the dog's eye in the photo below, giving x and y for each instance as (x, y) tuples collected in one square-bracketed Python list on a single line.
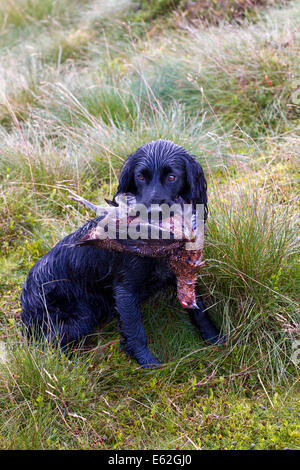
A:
[(141, 177), (171, 178)]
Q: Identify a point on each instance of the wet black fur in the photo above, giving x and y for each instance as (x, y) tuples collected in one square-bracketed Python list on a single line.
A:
[(71, 289)]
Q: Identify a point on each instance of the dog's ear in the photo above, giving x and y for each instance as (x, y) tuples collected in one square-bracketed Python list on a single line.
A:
[(126, 183), (195, 190)]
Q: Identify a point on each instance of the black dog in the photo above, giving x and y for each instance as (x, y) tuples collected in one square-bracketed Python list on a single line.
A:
[(71, 289)]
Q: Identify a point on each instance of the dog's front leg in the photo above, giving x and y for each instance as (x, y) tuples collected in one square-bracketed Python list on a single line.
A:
[(134, 337), (206, 328)]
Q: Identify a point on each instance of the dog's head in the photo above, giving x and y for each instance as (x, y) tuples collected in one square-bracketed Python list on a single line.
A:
[(160, 172)]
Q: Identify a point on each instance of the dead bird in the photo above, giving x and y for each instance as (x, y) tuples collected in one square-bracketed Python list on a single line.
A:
[(184, 263)]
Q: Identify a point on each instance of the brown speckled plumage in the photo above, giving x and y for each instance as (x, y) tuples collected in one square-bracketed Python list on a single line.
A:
[(184, 263)]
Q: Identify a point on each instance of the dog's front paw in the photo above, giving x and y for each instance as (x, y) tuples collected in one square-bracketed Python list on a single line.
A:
[(150, 363), (142, 355), (214, 337), (147, 361)]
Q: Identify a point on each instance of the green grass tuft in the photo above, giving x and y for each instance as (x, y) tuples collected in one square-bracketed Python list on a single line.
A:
[(22, 12)]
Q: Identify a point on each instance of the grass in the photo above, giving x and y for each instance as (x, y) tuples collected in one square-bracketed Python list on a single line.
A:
[(205, 11), (22, 12), (85, 85)]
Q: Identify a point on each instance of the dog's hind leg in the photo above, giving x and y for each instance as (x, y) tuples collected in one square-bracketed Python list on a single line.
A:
[(63, 326)]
